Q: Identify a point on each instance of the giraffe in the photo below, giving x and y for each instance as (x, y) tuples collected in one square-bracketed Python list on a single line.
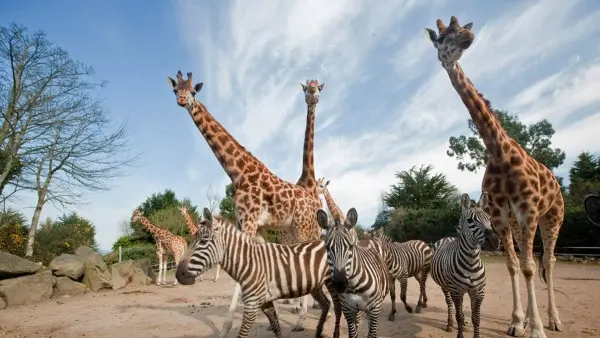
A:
[(312, 90), (166, 243), (523, 192), (193, 229), (262, 199), (335, 211)]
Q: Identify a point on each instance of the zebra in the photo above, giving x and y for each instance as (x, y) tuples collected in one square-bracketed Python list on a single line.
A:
[(456, 264), (360, 277), (266, 272), (405, 260)]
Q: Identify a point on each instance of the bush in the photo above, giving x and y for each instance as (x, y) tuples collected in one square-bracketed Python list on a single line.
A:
[(427, 225), (133, 252)]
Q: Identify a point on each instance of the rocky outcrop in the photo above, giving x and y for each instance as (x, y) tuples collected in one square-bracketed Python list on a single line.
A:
[(95, 273), (14, 266), (27, 289), (129, 272), (64, 286), (67, 265)]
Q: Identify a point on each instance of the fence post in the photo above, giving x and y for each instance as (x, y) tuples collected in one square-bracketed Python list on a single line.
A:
[(119, 254)]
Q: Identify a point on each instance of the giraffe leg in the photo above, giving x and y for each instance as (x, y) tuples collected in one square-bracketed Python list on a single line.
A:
[(165, 265), (217, 273), (229, 319), (549, 227), (160, 265), (528, 222), (176, 257), (302, 317)]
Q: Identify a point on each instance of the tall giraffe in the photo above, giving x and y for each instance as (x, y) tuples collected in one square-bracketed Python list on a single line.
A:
[(166, 243), (193, 229), (523, 192), (262, 199), (312, 90)]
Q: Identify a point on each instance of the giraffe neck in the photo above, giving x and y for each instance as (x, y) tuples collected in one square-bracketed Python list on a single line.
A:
[(488, 125), (232, 156), (190, 223), (156, 232), (333, 208), (307, 178)]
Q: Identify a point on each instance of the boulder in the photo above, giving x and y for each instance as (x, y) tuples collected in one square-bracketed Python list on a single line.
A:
[(25, 290), (129, 272), (95, 273), (67, 265), (14, 266), (66, 286), (145, 265)]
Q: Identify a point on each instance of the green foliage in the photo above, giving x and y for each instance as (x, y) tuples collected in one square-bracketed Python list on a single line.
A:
[(128, 241), (134, 252), (382, 219), (171, 219), (536, 139), (584, 176), (420, 188), (16, 168), (64, 236), (13, 232), (227, 206), (427, 225)]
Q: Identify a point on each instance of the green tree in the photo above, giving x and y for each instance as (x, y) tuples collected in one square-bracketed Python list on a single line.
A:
[(584, 177), (420, 188), (152, 204), (13, 232), (227, 206), (535, 138)]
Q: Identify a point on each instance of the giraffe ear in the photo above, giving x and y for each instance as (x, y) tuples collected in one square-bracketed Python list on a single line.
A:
[(303, 86), (321, 86), (351, 219), (468, 26), (327, 183), (198, 87), (207, 216), (465, 201), (322, 219), (483, 200), (172, 82), (431, 34)]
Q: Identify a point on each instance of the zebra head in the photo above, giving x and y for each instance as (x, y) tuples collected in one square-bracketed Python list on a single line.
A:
[(475, 224), (339, 242), (203, 253)]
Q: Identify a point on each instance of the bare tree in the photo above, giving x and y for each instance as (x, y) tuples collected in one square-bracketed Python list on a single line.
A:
[(125, 227), (38, 83), (213, 199)]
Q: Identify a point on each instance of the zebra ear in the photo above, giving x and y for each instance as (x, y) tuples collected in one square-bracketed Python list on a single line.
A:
[(483, 200), (322, 219), (465, 201), (207, 216), (351, 219)]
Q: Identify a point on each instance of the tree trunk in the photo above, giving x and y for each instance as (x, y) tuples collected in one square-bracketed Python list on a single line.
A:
[(35, 220)]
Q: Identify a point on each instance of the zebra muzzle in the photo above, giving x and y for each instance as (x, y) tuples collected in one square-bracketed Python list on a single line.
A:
[(183, 275), (339, 280)]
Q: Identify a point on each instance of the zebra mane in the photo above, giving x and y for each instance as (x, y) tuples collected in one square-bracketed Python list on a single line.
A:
[(225, 225)]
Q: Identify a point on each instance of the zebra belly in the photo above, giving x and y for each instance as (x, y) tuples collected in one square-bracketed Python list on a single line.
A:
[(355, 301)]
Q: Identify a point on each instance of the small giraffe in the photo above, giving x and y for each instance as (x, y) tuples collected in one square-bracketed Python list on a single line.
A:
[(523, 192), (166, 243), (193, 229), (262, 199), (335, 211), (312, 90)]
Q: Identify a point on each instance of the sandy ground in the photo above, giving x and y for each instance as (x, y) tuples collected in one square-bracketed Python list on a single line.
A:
[(198, 311)]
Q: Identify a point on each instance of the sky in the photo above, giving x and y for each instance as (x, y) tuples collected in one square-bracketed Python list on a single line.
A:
[(387, 104)]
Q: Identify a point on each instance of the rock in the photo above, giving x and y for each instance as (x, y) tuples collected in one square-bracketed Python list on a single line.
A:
[(129, 272), (65, 286), (145, 265), (15, 266), (27, 289), (2, 304), (95, 273), (67, 265)]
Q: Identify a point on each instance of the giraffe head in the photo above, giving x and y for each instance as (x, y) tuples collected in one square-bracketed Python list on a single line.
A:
[(312, 89), (452, 41), (137, 216), (184, 90), (322, 185)]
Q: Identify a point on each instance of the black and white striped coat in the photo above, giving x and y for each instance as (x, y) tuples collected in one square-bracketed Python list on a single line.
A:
[(456, 264), (360, 276), (404, 260), (266, 272)]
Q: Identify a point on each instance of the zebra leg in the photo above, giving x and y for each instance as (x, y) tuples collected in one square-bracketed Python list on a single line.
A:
[(337, 310), (269, 310), (351, 315), (302, 317), (373, 315), (229, 320), (324, 303), (392, 314), (248, 319), (476, 300), (457, 299), (422, 304), (450, 321), (403, 287), (316, 304), (217, 273)]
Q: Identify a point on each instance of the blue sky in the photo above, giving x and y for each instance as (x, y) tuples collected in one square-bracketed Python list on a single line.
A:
[(387, 103)]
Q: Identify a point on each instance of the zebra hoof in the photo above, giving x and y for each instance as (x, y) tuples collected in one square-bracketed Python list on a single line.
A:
[(316, 306), (408, 309), (418, 310), (449, 328), (269, 328), (298, 329), (391, 317)]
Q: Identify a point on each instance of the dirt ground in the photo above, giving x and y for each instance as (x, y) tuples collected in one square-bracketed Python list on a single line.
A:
[(199, 310)]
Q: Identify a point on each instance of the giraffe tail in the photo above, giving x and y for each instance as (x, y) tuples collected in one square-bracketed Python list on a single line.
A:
[(541, 267)]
